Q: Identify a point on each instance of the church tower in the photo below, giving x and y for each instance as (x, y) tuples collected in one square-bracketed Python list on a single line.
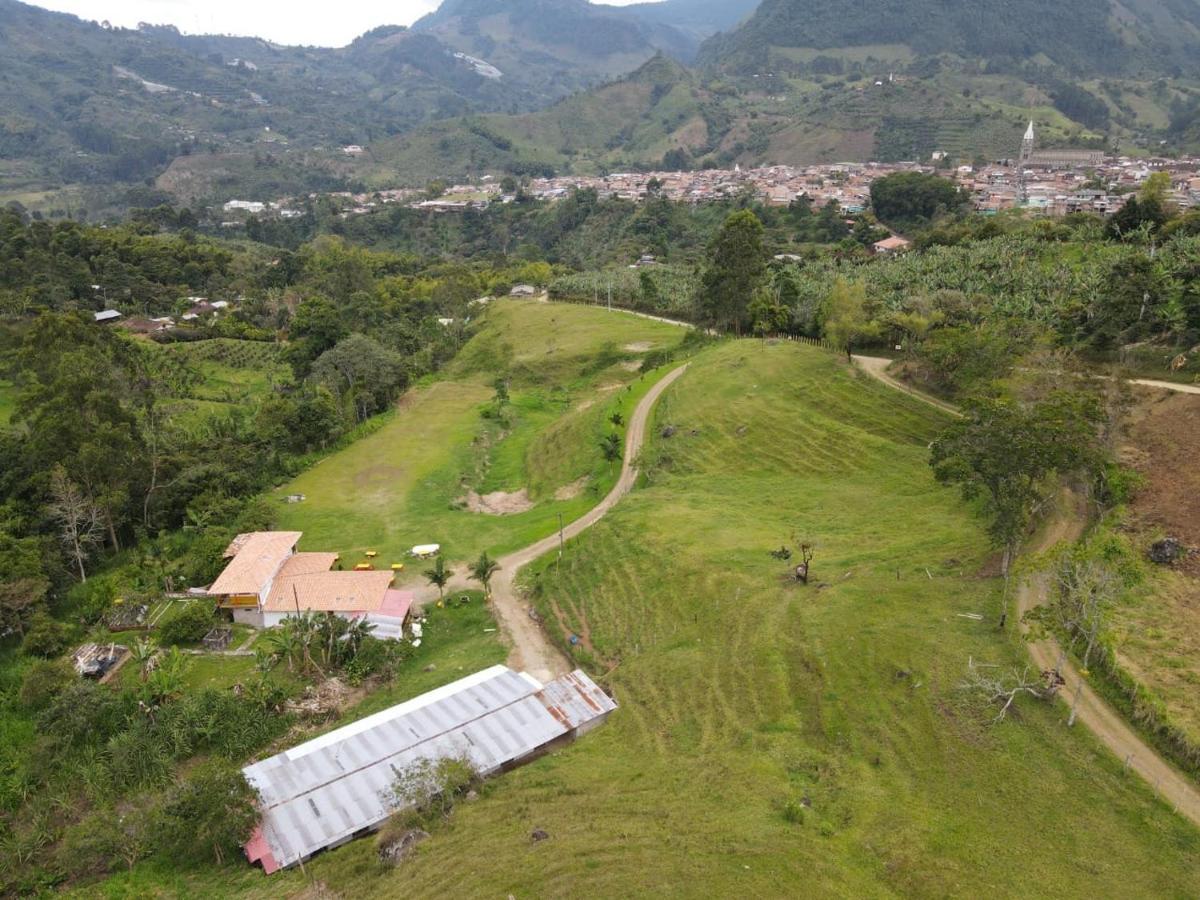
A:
[(1027, 143)]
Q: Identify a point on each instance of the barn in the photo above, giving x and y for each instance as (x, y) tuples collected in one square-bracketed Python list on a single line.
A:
[(337, 787)]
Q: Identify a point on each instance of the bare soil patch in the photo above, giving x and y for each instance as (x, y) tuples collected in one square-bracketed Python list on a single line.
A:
[(631, 365), (497, 503), (638, 347), (572, 490), (1163, 436)]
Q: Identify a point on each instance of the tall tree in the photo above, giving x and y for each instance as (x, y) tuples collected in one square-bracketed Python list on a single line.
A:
[(846, 320), (1004, 451), (737, 266)]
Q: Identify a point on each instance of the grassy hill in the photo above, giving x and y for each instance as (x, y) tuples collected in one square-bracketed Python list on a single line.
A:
[(570, 368), (774, 739)]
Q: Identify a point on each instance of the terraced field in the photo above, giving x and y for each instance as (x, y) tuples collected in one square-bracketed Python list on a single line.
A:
[(775, 739)]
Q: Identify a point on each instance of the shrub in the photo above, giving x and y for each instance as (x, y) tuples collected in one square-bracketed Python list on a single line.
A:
[(43, 681), (208, 816), (46, 636), (103, 840), (188, 626)]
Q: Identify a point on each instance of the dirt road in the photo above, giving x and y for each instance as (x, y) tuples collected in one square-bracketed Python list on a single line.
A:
[(531, 649), (1066, 523)]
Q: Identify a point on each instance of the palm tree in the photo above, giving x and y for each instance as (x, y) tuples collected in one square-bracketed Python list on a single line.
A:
[(611, 448), (482, 571), (439, 575)]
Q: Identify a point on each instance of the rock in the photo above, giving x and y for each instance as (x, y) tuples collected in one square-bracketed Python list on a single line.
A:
[(395, 850), (539, 835), (669, 431), (430, 667), (471, 796), (1166, 551)]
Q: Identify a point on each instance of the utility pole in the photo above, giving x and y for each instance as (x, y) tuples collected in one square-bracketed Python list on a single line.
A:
[(610, 293), (560, 537)]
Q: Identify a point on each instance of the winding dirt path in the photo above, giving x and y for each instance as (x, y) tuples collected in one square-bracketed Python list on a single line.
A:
[(531, 649), (1066, 523)]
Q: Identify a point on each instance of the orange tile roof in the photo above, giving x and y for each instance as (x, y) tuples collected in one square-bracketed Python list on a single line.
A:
[(257, 556), (329, 592), (307, 564)]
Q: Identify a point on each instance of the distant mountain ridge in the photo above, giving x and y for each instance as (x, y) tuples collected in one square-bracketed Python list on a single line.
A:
[(1080, 36)]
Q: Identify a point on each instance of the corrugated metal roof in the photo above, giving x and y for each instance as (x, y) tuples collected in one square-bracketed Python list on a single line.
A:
[(324, 791)]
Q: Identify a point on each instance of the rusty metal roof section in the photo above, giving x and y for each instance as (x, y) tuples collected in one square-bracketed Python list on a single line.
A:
[(327, 790)]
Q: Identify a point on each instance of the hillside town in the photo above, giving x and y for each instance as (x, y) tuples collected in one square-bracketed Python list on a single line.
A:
[(1049, 182)]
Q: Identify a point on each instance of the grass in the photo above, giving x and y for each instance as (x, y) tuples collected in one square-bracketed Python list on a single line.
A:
[(399, 487), (774, 739)]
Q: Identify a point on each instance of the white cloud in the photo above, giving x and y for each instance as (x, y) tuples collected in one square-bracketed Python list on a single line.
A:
[(319, 24)]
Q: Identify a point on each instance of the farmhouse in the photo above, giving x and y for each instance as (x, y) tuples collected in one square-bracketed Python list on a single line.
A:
[(893, 244), (267, 580), (339, 786)]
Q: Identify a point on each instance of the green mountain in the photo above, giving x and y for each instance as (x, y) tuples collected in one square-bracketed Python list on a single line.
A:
[(1078, 36), (554, 47)]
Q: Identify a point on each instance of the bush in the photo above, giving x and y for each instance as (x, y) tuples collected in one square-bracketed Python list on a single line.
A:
[(102, 841), (46, 636), (188, 626), (208, 816), (43, 681)]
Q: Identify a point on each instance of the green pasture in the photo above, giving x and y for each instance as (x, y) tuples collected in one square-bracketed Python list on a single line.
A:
[(570, 368), (781, 740)]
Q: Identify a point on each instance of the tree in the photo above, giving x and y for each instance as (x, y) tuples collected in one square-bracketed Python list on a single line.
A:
[(362, 370), (846, 321), (907, 200), (767, 314), (79, 519), (438, 575), (210, 814), (611, 448), (316, 327), (46, 636), (1004, 451), (1004, 689), (43, 681), (188, 626), (737, 265), (18, 600), (482, 571)]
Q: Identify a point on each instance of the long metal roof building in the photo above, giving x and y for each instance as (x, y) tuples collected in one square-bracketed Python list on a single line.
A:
[(333, 788)]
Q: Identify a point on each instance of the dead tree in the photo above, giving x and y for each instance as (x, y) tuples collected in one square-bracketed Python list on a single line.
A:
[(806, 555), (1004, 689), (80, 520)]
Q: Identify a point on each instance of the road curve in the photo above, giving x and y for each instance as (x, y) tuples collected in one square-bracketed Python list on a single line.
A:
[(1066, 523), (530, 648)]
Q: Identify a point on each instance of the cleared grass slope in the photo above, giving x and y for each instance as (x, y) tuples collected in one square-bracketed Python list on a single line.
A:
[(570, 367), (783, 741)]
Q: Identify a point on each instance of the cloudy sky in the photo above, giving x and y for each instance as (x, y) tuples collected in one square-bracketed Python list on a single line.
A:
[(299, 22)]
